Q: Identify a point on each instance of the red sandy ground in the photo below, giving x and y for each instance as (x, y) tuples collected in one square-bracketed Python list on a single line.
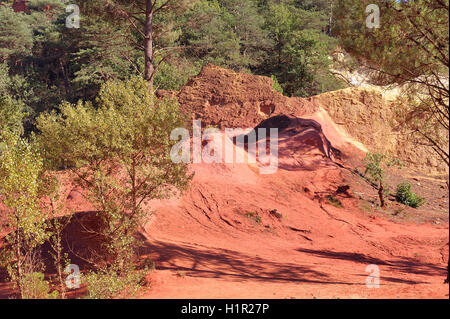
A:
[(207, 246)]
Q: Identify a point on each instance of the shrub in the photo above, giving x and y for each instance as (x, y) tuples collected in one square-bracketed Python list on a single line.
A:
[(118, 151), (171, 76), (405, 196), (255, 217), (36, 287), (276, 85), (109, 284), (20, 189), (376, 165), (11, 116), (334, 201)]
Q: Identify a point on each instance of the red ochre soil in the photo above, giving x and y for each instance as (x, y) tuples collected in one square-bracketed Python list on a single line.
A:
[(236, 233), (209, 244)]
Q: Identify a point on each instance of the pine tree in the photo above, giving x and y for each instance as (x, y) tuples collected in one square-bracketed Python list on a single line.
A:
[(141, 19)]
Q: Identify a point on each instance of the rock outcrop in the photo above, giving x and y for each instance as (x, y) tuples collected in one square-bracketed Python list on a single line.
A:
[(226, 99), (223, 98)]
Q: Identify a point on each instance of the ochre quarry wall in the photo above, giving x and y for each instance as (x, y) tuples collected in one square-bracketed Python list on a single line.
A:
[(223, 98), (226, 99), (368, 117)]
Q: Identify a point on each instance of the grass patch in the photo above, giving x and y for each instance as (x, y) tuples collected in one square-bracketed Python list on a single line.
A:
[(255, 217), (366, 206), (334, 201)]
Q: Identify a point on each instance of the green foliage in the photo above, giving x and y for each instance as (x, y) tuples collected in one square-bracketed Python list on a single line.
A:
[(285, 39), (228, 33), (376, 165), (172, 76), (411, 49), (412, 40), (255, 217), (109, 284), (119, 151), (299, 56), (334, 201), (151, 27), (5, 81), (37, 61), (276, 85), (36, 287), (11, 115), (20, 170), (16, 37), (104, 53), (22, 184), (405, 196), (58, 217), (43, 63)]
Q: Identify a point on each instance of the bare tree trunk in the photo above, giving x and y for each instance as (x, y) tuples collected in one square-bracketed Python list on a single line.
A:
[(58, 263), (381, 195), (448, 260), (448, 265), (330, 26), (19, 279), (149, 63)]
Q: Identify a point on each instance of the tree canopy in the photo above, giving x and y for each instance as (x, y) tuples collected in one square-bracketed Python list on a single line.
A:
[(45, 63)]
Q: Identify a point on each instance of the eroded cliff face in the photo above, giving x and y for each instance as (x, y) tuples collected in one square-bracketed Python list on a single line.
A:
[(223, 98), (226, 99), (369, 117)]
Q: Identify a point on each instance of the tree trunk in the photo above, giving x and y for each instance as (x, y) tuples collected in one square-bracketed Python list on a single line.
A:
[(381, 195), (19, 272), (62, 285), (149, 64), (448, 265), (330, 25), (448, 259)]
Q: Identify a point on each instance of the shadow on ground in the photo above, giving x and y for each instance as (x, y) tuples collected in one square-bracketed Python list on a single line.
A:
[(207, 262), (403, 265)]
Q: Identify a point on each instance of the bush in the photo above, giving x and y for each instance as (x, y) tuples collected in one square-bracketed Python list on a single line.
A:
[(174, 76), (334, 201), (110, 284), (119, 153), (36, 287), (255, 217), (405, 196), (276, 85), (11, 116), (376, 166)]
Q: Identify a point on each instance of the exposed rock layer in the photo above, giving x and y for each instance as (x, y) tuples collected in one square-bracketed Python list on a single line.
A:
[(223, 98)]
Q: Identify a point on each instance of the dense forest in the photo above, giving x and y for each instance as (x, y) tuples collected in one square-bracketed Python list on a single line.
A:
[(43, 62)]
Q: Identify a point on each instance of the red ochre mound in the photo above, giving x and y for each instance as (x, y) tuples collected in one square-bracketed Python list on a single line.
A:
[(225, 98), (238, 234), (301, 232)]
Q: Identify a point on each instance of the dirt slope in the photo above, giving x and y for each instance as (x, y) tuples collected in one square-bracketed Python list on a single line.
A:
[(298, 233), (239, 234)]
